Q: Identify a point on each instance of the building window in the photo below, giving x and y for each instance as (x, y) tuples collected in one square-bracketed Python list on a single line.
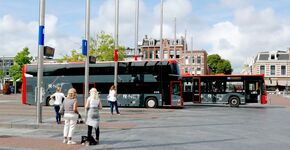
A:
[(151, 43), (283, 70), (151, 54), (186, 60), (198, 59), (165, 54), (193, 59), (186, 70), (272, 70), (198, 71), (272, 56), (262, 69), (156, 54), (146, 54)]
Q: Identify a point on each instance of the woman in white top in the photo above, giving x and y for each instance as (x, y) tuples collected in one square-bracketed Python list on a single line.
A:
[(58, 97), (112, 98), (70, 116), (93, 105)]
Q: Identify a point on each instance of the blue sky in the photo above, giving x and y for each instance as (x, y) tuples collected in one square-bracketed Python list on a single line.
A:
[(235, 29)]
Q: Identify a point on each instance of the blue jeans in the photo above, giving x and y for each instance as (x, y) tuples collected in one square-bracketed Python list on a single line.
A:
[(57, 115), (112, 104)]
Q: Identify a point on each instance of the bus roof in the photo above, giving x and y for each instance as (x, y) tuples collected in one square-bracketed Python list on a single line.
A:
[(222, 75)]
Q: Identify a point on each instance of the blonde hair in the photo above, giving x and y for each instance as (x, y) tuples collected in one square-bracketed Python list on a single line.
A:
[(71, 94), (94, 94)]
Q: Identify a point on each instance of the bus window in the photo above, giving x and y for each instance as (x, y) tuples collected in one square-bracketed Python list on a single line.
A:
[(252, 88), (134, 78), (203, 86), (79, 87), (218, 86), (175, 89), (187, 87), (234, 87)]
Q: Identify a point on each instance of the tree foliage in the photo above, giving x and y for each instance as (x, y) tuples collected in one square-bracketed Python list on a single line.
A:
[(101, 46), (23, 57), (1, 73), (219, 65), (15, 72), (73, 57)]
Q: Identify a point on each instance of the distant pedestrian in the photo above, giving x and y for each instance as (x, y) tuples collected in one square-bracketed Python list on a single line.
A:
[(70, 116), (112, 98), (58, 100), (93, 105), (277, 91)]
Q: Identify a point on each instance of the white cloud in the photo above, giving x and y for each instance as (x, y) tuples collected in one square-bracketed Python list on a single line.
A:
[(174, 8), (225, 40), (250, 32), (17, 34), (235, 3)]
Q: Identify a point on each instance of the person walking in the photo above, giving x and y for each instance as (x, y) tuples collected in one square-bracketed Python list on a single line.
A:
[(93, 105), (112, 98), (70, 106), (58, 99)]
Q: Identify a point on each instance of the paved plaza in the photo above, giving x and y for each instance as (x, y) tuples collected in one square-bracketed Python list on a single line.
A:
[(201, 127)]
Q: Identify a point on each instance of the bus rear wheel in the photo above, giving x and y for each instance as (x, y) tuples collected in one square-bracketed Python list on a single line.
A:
[(234, 101), (151, 102)]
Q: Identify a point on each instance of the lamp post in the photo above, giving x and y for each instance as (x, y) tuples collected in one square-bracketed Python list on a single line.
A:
[(116, 42), (174, 42), (87, 48), (136, 29), (161, 29), (40, 61)]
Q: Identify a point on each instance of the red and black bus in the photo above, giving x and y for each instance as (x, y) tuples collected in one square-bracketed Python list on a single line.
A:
[(234, 90), (140, 83)]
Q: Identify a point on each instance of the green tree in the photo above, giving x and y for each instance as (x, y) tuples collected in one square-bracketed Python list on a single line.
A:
[(219, 65), (15, 72), (101, 46), (23, 57), (74, 57), (1, 73), (2, 76)]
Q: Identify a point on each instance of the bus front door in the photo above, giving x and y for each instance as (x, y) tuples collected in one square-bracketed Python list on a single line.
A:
[(176, 94), (196, 90)]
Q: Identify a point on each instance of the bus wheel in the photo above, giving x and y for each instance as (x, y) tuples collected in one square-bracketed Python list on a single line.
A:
[(151, 102), (234, 101)]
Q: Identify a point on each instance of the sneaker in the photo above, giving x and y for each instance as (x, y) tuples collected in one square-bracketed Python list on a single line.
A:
[(64, 141), (118, 114), (71, 142), (87, 143)]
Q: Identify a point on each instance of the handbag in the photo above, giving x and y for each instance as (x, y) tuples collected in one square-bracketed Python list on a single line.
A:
[(51, 101), (61, 110)]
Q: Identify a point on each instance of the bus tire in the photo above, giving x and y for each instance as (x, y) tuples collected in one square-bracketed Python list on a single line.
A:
[(234, 101), (151, 102)]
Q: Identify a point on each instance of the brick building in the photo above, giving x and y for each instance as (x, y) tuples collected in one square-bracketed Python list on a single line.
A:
[(194, 62)]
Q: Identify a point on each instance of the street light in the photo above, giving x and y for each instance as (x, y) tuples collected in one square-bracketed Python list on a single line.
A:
[(136, 29), (86, 48), (40, 61), (116, 42), (161, 29)]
